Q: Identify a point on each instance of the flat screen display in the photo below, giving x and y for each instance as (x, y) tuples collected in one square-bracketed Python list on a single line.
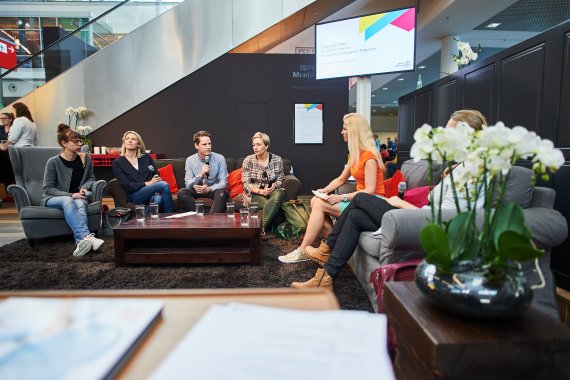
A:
[(374, 44)]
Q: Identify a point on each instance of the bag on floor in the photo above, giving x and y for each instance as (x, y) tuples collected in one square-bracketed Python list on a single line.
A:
[(404, 271), (114, 217), (297, 214)]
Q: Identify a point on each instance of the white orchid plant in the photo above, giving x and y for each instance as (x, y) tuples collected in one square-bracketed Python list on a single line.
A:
[(466, 53), (488, 156), (79, 114)]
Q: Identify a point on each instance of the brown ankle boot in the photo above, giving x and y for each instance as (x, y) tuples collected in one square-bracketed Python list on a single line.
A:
[(321, 280), (320, 255)]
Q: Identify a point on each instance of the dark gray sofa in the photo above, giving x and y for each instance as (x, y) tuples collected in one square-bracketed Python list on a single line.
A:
[(399, 239)]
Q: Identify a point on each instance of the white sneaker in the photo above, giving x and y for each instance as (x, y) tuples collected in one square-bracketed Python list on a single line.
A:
[(82, 247), (295, 256), (94, 241)]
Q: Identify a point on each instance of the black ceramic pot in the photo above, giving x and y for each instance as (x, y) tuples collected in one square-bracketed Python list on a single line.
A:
[(471, 292)]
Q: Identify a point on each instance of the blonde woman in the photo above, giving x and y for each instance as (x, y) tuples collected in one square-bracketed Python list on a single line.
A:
[(365, 165), (137, 174), (262, 177)]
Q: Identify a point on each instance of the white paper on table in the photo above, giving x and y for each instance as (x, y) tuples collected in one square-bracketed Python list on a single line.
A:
[(181, 215), (253, 342)]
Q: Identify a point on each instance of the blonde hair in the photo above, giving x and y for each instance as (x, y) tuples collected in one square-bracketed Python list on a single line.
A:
[(263, 136), (142, 147), (474, 118), (360, 138)]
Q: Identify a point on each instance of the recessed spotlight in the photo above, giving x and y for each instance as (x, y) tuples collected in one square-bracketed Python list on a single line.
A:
[(353, 106), (395, 101), (373, 95), (384, 88), (422, 67), (390, 114), (400, 79), (373, 110), (383, 107), (493, 25)]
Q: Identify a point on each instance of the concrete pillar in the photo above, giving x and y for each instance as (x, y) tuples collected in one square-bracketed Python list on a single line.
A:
[(364, 97), (448, 47)]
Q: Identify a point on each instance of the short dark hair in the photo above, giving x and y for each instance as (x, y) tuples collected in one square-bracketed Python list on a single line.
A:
[(199, 134)]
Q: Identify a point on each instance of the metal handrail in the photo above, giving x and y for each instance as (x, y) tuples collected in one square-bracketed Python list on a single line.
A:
[(64, 37)]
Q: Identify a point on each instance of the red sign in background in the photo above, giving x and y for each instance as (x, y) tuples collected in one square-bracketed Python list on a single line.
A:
[(7, 55)]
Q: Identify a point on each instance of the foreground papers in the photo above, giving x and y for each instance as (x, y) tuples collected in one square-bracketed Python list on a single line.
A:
[(252, 342), (70, 338)]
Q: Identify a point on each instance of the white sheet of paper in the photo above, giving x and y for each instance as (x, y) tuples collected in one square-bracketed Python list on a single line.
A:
[(253, 342), (181, 215)]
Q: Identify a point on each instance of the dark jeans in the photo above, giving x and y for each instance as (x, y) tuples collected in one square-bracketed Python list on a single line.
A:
[(158, 192), (187, 199), (364, 213), (6, 172)]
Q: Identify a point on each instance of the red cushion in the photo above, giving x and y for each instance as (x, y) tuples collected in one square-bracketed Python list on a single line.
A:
[(419, 196), (391, 184), (167, 174), (234, 183)]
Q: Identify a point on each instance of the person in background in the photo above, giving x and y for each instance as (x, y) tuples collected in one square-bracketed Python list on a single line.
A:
[(23, 130), (204, 179), (262, 176), (68, 178), (377, 141), (6, 172), (365, 213), (367, 168), (384, 152), (137, 174)]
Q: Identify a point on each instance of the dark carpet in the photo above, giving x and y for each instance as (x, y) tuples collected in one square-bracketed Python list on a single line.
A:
[(51, 265)]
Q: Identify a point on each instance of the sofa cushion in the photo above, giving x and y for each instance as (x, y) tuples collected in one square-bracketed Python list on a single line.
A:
[(235, 186), (370, 243), (519, 186), (416, 173), (167, 174), (418, 196), (391, 184)]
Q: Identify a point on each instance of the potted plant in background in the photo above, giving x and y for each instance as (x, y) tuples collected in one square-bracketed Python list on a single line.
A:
[(80, 115), (472, 266), (466, 54)]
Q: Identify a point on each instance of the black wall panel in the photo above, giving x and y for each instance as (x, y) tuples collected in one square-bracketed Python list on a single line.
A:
[(406, 126), (234, 97), (521, 88), (423, 109), (479, 91), (446, 102), (564, 119)]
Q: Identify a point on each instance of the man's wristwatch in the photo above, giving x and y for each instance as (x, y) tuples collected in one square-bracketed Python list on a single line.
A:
[(345, 197)]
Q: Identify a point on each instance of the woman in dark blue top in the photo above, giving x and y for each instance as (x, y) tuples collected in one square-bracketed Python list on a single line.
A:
[(137, 174)]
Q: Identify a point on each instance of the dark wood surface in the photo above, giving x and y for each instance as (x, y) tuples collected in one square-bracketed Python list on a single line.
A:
[(211, 238), (434, 344)]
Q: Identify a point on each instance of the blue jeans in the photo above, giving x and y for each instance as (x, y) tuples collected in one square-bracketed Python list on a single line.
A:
[(158, 193), (75, 212)]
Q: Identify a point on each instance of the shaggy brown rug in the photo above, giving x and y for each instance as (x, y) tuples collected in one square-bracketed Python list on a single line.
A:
[(51, 265)]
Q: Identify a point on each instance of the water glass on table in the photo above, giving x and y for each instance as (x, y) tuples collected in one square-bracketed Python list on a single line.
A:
[(244, 216), (253, 209), (231, 209), (199, 208), (154, 212), (139, 212)]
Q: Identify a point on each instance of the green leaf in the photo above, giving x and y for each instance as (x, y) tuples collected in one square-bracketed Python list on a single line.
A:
[(463, 237), (436, 245), (515, 246), (509, 217)]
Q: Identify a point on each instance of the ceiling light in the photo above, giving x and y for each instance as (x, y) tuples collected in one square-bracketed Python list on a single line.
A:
[(373, 95), (493, 25), (395, 101), (422, 67), (384, 88), (400, 79), (373, 110)]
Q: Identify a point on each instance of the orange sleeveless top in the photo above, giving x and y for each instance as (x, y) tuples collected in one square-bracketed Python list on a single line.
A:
[(358, 173)]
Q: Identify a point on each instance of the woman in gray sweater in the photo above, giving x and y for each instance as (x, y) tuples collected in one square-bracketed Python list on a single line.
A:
[(67, 181)]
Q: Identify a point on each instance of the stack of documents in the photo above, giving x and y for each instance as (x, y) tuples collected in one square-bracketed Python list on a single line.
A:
[(248, 342)]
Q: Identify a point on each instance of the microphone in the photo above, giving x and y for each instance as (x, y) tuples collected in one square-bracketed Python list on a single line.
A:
[(151, 170), (207, 161), (402, 187)]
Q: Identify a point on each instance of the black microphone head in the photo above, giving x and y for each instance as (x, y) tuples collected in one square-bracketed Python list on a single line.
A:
[(207, 160)]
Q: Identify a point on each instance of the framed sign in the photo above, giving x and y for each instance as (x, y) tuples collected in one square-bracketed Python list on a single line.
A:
[(308, 123)]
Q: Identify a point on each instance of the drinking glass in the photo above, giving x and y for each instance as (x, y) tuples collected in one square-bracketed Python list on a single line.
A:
[(4, 142), (253, 209), (200, 208), (244, 216), (231, 209), (154, 211), (139, 212)]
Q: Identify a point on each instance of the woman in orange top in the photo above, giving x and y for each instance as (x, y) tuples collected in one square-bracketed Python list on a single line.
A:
[(365, 165)]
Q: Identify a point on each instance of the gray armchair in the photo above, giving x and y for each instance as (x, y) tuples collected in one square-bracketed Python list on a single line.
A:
[(40, 222), (399, 240)]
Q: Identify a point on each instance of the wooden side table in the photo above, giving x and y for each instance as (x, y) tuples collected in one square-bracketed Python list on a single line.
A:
[(434, 344)]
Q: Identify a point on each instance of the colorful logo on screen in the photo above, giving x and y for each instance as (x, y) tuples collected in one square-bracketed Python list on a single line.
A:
[(403, 19), (309, 107)]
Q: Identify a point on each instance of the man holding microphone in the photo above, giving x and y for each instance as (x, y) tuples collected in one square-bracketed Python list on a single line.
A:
[(206, 176)]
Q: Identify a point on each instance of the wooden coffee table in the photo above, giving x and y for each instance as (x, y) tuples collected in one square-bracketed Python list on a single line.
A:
[(210, 238)]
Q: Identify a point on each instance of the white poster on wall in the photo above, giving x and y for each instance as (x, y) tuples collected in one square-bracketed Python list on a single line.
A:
[(308, 123)]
